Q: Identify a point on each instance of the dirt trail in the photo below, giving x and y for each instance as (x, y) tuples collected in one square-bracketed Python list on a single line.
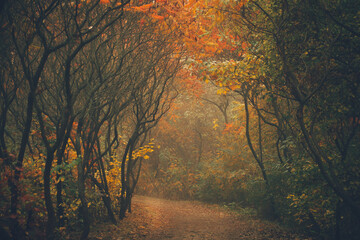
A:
[(157, 219)]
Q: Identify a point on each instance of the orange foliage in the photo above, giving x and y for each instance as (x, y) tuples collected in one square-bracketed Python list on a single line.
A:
[(198, 25), (143, 8)]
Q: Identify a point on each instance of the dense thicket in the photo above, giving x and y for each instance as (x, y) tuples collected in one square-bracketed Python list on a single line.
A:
[(82, 82)]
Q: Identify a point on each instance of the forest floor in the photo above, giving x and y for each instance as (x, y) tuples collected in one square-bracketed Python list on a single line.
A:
[(157, 219)]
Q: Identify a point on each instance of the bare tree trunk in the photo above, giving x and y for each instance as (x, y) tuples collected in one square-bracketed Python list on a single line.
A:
[(259, 157), (247, 128), (82, 196), (107, 203), (106, 197), (51, 220), (123, 205)]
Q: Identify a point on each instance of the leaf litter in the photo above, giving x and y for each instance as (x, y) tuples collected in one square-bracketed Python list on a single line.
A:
[(157, 219)]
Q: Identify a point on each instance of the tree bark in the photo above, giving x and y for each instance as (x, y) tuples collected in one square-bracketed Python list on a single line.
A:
[(124, 181), (247, 129), (82, 196), (51, 220), (258, 159), (106, 199)]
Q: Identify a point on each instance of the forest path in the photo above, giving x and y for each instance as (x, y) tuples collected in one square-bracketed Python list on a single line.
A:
[(157, 219)]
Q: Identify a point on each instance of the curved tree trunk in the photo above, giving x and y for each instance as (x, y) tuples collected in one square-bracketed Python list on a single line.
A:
[(319, 160), (257, 157), (124, 181), (247, 128)]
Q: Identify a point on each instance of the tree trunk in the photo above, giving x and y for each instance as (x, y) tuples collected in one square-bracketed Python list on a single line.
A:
[(337, 233), (13, 183), (51, 221), (59, 185), (124, 183), (247, 123), (84, 207), (107, 203), (318, 159), (257, 157), (106, 199), (59, 202)]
